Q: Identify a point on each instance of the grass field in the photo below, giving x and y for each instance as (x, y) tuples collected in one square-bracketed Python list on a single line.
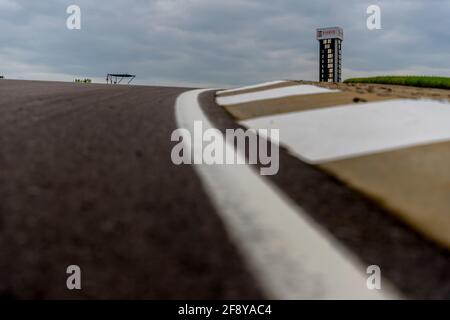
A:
[(414, 81)]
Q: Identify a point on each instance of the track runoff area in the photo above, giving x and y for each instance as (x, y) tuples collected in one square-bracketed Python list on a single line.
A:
[(392, 150)]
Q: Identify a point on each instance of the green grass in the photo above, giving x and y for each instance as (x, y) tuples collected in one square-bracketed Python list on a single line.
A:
[(414, 81)]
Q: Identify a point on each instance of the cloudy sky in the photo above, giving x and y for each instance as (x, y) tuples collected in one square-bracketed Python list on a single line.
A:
[(218, 42)]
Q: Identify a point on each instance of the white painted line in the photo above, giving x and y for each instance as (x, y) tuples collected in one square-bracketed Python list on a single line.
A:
[(272, 94), (322, 135), (260, 85), (290, 255)]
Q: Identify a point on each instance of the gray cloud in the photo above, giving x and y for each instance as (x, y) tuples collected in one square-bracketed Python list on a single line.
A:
[(217, 42)]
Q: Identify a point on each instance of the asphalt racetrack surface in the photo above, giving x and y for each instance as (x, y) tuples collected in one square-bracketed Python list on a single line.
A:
[(86, 179)]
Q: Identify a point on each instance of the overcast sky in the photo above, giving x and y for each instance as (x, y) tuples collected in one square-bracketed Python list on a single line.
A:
[(218, 42)]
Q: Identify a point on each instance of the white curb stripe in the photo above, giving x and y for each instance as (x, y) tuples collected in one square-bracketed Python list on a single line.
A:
[(289, 254), (322, 135), (272, 94), (260, 85)]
